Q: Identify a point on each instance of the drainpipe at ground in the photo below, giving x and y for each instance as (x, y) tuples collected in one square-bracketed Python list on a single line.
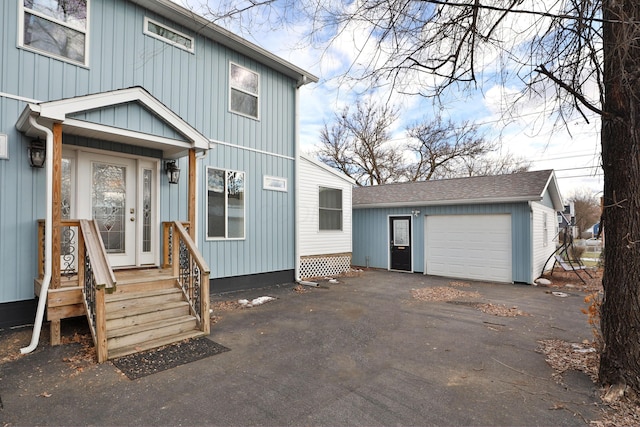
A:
[(48, 246)]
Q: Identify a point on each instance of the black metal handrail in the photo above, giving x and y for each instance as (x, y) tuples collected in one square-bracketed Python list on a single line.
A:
[(191, 271), (96, 277)]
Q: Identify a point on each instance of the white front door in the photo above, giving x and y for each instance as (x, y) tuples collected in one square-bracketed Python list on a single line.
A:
[(120, 194)]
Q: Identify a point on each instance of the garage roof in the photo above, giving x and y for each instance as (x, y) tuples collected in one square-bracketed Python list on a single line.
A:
[(517, 187)]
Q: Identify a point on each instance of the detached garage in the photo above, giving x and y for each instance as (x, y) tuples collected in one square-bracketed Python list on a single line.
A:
[(493, 228)]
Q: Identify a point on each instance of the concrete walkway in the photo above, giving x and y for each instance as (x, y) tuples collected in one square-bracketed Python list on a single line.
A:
[(360, 352)]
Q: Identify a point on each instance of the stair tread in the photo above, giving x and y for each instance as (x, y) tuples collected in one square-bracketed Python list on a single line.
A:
[(146, 294), (134, 311), (160, 331), (158, 342), (128, 330)]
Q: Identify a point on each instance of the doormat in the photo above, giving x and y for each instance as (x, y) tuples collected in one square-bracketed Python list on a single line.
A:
[(149, 362)]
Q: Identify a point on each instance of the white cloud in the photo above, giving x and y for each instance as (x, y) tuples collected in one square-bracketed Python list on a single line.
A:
[(523, 126)]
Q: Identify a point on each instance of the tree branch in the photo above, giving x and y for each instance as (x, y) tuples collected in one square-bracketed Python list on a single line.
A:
[(543, 70)]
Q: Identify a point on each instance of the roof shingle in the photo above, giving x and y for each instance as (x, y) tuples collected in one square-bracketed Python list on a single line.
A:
[(523, 186)]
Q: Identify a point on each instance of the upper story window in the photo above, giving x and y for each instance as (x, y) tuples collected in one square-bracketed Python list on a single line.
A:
[(330, 212), (168, 35), (56, 27), (244, 91)]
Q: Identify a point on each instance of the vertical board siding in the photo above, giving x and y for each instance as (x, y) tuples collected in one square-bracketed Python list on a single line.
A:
[(20, 206), (312, 240), (195, 87), (131, 116), (370, 234), (541, 253), (269, 217)]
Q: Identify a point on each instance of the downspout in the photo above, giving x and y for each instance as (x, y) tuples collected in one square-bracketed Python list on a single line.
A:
[(532, 244), (303, 81), (42, 302), (296, 180)]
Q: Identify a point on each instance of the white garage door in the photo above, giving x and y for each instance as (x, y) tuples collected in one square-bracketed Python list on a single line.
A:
[(469, 246)]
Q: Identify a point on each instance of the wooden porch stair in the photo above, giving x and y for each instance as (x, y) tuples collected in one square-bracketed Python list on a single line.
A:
[(128, 310), (146, 311)]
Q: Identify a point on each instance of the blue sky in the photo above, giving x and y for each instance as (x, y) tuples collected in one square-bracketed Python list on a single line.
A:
[(532, 132)]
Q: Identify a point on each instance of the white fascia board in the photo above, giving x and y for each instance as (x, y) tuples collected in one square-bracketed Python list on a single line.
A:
[(58, 110), (98, 131), (329, 169), (554, 191), (446, 202)]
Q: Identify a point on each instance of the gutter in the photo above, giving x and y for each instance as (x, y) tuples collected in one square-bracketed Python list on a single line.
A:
[(48, 246)]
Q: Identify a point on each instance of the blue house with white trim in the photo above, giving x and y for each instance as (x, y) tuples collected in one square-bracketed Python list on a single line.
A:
[(102, 104), (495, 228)]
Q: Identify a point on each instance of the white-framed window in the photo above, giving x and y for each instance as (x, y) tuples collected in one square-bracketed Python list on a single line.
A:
[(330, 208), (244, 91), (225, 204), (168, 35), (58, 28), (274, 183), (545, 229)]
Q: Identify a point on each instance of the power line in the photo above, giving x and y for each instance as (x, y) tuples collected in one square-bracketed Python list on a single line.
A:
[(596, 175), (578, 168), (565, 157)]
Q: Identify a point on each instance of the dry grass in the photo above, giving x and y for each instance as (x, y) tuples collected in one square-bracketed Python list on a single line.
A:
[(225, 306), (563, 356), (442, 293), (12, 341), (500, 310), (458, 284)]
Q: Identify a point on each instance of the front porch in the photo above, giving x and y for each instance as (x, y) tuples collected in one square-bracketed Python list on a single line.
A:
[(128, 310), (115, 181)]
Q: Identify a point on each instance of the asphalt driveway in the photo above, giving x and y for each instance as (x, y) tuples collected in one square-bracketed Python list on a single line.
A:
[(359, 352)]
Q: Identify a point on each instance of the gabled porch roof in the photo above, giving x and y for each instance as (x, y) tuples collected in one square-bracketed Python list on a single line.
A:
[(63, 111)]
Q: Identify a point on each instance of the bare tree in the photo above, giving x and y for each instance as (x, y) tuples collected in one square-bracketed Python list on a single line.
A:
[(489, 165), (579, 55), (587, 208), (358, 144), (441, 148)]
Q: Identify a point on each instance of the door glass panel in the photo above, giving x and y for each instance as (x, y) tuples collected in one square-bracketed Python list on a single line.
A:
[(401, 232), (66, 189), (68, 235), (146, 210), (108, 198)]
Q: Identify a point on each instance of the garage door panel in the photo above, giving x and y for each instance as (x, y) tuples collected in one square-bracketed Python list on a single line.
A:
[(469, 246)]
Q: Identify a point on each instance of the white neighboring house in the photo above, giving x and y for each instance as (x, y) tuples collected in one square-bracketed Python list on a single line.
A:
[(324, 220)]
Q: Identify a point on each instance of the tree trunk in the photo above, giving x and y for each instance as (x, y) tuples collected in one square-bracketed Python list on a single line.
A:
[(620, 314)]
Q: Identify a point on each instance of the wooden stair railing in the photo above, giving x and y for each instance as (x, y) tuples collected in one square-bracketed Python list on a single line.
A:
[(190, 269), (96, 278)]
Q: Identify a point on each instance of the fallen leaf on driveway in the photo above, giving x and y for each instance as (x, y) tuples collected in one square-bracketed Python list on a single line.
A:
[(441, 293)]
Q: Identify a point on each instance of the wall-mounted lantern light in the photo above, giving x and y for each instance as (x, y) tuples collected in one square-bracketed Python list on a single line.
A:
[(37, 153), (173, 172)]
